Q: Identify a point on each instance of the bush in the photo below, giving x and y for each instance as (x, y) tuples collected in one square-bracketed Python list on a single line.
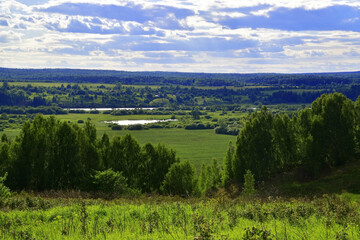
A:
[(4, 116), (155, 126), (76, 111), (256, 233), (180, 180), (249, 184), (4, 191), (116, 127), (198, 126), (135, 127), (109, 181), (227, 131)]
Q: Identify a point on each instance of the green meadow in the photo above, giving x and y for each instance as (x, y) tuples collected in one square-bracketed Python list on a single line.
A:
[(197, 146), (327, 217)]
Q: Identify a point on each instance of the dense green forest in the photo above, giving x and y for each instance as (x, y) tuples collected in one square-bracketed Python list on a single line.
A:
[(176, 78)]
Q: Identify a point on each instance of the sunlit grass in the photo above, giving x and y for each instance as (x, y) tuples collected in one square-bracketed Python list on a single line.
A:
[(175, 218)]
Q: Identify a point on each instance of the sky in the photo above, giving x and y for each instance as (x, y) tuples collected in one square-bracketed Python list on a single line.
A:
[(222, 36)]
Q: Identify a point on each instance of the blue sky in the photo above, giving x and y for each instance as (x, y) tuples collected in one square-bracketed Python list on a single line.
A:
[(182, 35)]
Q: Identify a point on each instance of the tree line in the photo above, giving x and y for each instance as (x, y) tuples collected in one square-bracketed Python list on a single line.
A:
[(53, 154), (312, 140), (166, 95), (177, 78), (50, 154)]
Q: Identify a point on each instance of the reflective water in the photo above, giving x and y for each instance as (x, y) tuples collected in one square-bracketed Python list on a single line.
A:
[(106, 109), (142, 122)]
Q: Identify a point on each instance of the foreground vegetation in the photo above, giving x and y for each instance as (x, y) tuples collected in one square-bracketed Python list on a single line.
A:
[(326, 217), (93, 180)]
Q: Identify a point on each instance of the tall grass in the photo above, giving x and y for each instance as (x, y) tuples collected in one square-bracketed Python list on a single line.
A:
[(327, 217)]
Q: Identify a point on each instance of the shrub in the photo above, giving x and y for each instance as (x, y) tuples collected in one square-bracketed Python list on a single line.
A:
[(135, 127), (256, 233), (155, 126), (4, 191), (116, 127), (109, 181), (249, 184), (198, 126), (227, 131), (180, 180)]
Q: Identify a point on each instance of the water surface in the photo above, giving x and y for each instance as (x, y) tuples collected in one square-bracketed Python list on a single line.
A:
[(135, 122), (107, 109)]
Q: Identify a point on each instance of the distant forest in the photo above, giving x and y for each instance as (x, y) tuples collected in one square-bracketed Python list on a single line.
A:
[(168, 89), (176, 78)]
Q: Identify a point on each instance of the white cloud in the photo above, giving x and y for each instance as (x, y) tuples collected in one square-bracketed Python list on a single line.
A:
[(9, 36), (181, 35)]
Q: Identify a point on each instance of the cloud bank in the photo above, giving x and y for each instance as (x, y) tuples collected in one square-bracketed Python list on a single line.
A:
[(182, 35)]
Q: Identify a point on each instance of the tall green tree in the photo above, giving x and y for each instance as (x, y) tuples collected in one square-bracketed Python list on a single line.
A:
[(132, 159), (104, 151), (334, 126), (88, 153), (116, 155), (67, 170), (22, 166), (254, 147), (357, 123), (284, 140), (228, 172)]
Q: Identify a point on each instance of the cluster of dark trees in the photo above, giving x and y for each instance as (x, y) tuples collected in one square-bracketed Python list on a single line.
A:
[(311, 140), (50, 154)]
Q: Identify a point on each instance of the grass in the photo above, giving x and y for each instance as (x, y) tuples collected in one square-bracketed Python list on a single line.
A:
[(337, 180), (197, 146), (329, 217)]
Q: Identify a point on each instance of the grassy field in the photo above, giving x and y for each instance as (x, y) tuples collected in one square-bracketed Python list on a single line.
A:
[(328, 217), (197, 146)]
